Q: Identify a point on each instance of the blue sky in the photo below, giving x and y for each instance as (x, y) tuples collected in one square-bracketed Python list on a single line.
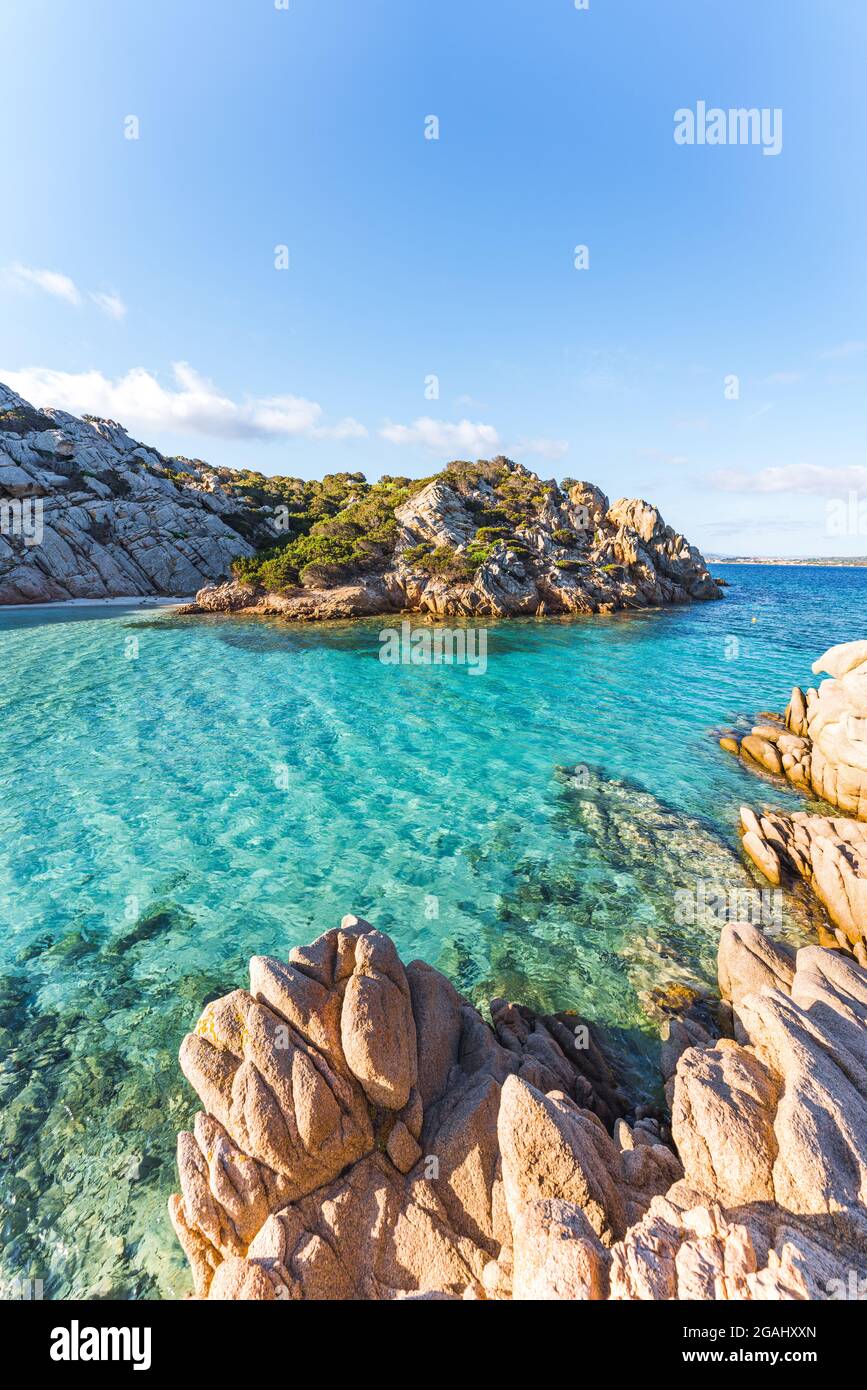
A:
[(138, 279)]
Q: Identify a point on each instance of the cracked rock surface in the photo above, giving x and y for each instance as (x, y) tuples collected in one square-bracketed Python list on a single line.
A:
[(572, 553), (820, 746), (115, 518), (366, 1135)]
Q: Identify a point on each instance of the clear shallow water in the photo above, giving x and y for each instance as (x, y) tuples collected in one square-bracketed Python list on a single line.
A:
[(236, 786)]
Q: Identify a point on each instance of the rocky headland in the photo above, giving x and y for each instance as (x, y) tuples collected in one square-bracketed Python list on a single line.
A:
[(819, 744), (482, 540), (88, 512), (365, 1134)]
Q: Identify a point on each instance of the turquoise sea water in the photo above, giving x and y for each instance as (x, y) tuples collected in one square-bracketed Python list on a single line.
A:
[(178, 794)]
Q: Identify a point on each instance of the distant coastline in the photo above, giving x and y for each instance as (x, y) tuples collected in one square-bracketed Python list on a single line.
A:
[(823, 562)]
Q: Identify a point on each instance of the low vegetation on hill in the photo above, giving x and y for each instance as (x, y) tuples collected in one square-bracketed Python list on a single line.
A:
[(334, 527), (342, 526)]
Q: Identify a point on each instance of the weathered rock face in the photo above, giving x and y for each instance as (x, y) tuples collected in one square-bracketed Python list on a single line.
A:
[(828, 852), (304, 605), (836, 724), (567, 554), (86, 512), (367, 1135), (820, 745)]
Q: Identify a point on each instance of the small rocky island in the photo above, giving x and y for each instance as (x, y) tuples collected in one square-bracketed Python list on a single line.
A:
[(484, 539), (366, 1134), (88, 512)]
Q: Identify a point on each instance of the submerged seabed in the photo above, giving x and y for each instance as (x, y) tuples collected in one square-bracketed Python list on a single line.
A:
[(176, 795)]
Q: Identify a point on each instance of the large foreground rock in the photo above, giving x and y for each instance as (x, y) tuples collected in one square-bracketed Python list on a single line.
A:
[(828, 852), (820, 745), (820, 742), (367, 1135)]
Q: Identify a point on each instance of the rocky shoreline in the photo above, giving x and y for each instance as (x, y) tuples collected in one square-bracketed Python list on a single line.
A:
[(367, 1135), (88, 512), (820, 746)]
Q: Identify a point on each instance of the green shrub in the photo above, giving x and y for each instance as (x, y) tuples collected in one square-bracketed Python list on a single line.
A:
[(284, 569), (465, 477), (416, 554), (444, 562), (487, 534), (343, 525), (345, 522), (325, 576), (478, 555)]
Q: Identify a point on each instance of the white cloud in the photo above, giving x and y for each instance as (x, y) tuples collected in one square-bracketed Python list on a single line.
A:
[(469, 439), (545, 448), (848, 349), (341, 429), (49, 281), (109, 302), (463, 436), (61, 286), (192, 406), (810, 478)]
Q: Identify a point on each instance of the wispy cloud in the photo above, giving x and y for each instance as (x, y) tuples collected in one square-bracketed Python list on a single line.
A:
[(60, 286), (49, 281), (783, 378), (664, 456), (464, 436), (847, 349), (469, 438), (109, 302), (544, 448), (192, 405), (806, 478)]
